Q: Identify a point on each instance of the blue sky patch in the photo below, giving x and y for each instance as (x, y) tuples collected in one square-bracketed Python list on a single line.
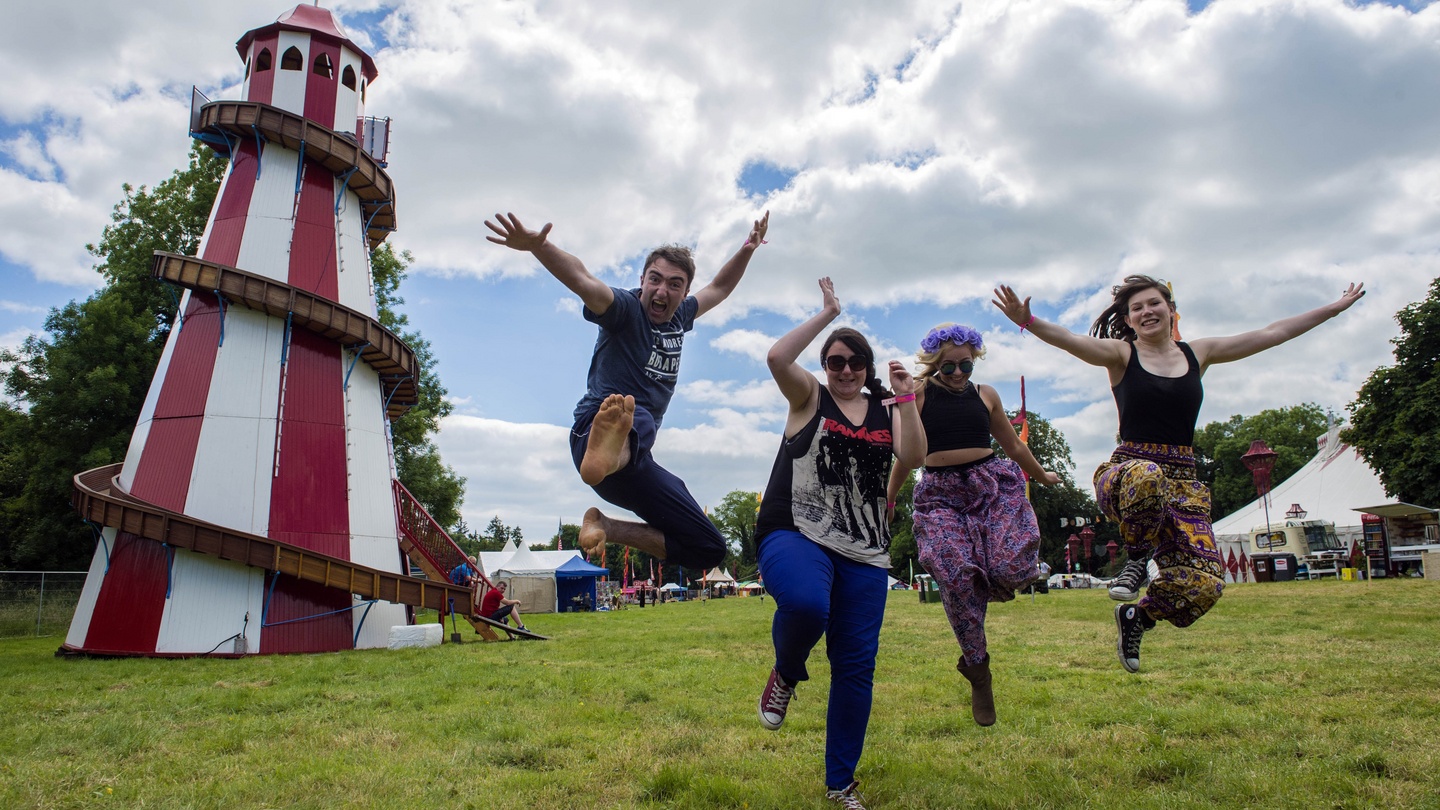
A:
[(761, 178)]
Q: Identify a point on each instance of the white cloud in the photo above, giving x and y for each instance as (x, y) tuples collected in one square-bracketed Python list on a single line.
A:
[(745, 342), (1260, 155)]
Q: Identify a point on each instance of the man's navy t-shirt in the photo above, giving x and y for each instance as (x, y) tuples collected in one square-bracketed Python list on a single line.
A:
[(634, 356)]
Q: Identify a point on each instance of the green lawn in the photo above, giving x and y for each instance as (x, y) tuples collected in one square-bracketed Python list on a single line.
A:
[(1302, 694)]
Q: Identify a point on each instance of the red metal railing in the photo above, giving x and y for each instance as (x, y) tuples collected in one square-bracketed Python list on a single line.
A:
[(437, 552)]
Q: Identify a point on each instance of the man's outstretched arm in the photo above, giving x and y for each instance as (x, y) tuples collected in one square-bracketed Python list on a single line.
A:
[(568, 269), (730, 274)]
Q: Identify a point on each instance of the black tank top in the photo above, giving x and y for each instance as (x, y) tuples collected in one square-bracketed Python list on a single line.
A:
[(954, 421), (829, 483), (1159, 410)]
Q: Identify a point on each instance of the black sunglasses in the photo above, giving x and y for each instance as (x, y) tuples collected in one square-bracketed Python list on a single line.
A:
[(965, 367), (856, 362)]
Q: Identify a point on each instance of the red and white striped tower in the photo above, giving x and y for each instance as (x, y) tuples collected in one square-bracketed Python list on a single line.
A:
[(259, 420)]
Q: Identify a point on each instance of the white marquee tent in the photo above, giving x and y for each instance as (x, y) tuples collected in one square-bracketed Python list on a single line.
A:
[(1331, 486)]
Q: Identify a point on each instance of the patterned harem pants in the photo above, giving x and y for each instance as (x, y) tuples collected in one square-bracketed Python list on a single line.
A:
[(1151, 492), (977, 536)]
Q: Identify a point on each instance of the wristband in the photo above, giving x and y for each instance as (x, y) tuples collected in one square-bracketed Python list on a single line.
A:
[(896, 400), (890, 505), (1026, 325)]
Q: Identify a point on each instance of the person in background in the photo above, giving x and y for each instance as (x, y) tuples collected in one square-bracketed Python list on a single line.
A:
[(495, 607)]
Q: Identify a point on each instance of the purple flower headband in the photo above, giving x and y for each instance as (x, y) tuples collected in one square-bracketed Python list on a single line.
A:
[(957, 334)]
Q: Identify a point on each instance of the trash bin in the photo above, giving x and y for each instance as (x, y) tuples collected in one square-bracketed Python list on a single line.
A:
[(1284, 566), (1263, 570)]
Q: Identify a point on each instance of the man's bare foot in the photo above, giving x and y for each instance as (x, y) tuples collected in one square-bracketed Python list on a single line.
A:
[(609, 446), (592, 531)]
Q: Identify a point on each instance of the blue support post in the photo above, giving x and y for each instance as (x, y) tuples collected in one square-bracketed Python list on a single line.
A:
[(285, 345), (344, 184), (383, 204), (357, 349), (361, 625), (300, 169), (224, 307), (259, 149)]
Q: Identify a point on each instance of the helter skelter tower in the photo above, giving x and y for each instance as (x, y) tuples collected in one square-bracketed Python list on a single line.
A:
[(256, 510)]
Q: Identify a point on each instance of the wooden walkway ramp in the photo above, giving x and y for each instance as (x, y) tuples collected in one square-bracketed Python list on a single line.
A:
[(100, 500)]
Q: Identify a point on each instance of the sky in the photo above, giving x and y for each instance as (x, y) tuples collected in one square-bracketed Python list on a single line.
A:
[(1258, 154)]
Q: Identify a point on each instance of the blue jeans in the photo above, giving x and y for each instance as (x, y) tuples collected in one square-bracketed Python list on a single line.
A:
[(656, 495), (819, 592)]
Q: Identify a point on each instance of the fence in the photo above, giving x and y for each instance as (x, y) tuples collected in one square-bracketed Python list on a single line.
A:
[(38, 603)]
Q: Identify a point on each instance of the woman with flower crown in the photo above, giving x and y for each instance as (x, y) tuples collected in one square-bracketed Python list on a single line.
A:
[(975, 528)]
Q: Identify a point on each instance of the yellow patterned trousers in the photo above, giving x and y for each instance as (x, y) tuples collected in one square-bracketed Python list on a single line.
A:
[(1151, 492)]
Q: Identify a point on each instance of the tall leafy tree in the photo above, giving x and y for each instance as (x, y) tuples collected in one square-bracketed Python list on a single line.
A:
[(1290, 432), (417, 460), (1395, 418), (904, 554), (1066, 500), (735, 519), (84, 379)]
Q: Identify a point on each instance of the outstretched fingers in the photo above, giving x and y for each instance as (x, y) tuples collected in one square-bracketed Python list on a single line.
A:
[(1352, 293), (758, 231), (1009, 302), (828, 300), (513, 234)]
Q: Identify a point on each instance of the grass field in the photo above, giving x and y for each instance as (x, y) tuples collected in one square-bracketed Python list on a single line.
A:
[(1301, 694)]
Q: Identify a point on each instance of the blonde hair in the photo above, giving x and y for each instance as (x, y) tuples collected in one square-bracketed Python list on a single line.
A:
[(937, 339)]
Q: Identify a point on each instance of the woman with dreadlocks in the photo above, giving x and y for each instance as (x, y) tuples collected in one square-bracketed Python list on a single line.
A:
[(1148, 486), (974, 527)]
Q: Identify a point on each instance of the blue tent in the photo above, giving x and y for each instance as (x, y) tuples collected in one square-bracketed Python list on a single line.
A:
[(576, 578)]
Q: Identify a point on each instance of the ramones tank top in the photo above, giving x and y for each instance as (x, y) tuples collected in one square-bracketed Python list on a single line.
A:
[(829, 480), (1159, 410), (954, 420)]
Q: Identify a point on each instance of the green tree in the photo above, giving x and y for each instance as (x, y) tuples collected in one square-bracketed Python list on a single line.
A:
[(904, 555), (1290, 432), (567, 537), (1066, 500), (84, 379), (735, 520), (1395, 418), (417, 460)]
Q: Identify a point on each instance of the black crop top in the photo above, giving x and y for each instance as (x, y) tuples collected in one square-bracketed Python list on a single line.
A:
[(1159, 410), (954, 421)]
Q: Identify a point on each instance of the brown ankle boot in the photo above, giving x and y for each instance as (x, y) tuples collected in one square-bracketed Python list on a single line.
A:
[(982, 700)]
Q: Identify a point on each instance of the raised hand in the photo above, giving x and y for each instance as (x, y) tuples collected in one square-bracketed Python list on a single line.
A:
[(515, 235), (900, 380), (831, 303), (1049, 478), (1352, 294), (757, 232), (1009, 303)]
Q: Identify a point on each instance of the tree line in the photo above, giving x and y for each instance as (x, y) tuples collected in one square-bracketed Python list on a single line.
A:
[(76, 389)]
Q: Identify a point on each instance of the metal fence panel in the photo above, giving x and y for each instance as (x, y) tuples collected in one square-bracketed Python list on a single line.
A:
[(38, 603)]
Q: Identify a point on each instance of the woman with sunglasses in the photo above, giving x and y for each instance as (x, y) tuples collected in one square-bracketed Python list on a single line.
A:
[(1148, 486), (822, 530), (974, 527)]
